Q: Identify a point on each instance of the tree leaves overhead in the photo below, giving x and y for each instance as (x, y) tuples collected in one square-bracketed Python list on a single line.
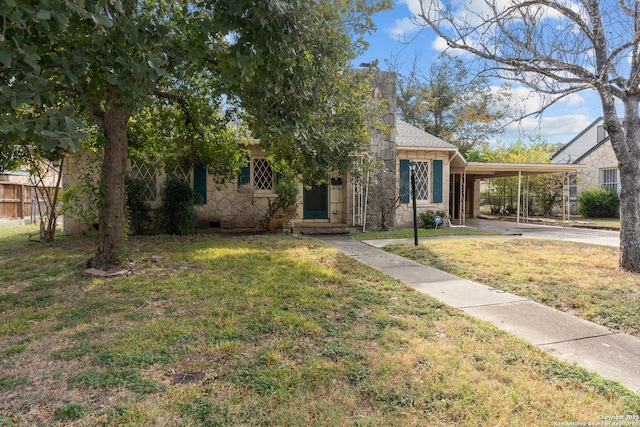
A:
[(281, 62), (299, 100)]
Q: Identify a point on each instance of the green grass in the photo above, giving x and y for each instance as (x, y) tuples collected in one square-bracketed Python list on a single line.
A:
[(580, 279), (261, 331), (601, 222), (70, 412), (404, 233)]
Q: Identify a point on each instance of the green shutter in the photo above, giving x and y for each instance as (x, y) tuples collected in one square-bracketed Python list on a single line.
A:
[(245, 176), (405, 181), (200, 184), (437, 181)]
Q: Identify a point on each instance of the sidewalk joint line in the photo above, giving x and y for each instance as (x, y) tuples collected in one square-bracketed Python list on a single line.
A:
[(612, 333), (496, 303)]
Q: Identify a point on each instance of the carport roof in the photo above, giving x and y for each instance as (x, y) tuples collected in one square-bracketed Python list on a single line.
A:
[(500, 170)]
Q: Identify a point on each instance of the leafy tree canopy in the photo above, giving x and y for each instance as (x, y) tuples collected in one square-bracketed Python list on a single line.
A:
[(60, 58)]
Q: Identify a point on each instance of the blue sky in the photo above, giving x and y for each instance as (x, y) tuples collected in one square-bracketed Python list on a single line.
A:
[(559, 123)]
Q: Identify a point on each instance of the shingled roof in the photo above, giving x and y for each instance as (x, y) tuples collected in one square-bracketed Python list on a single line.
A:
[(410, 136)]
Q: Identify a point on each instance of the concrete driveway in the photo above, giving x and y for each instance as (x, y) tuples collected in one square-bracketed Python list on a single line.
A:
[(528, 230), (573, 234)]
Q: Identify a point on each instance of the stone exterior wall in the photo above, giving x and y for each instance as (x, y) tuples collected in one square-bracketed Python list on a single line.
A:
[(383, 146), (81, 169), (601, 158), (339, 204), (233, 205)]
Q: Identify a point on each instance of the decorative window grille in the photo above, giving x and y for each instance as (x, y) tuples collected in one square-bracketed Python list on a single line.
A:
[(147, 173), (181, 174), (262, 175), (609, 179), (573, 186), (422, 180)]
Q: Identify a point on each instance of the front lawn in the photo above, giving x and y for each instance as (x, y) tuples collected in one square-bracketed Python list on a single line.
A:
[(271, 330), (405, 233)]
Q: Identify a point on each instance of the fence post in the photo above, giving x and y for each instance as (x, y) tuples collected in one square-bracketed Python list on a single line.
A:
[(21, 203)]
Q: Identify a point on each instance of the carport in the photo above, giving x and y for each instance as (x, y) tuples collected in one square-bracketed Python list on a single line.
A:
[(474, 172)]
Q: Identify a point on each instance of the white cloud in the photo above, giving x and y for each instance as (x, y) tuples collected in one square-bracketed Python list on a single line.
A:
[(402, 28), (412, 5), (553, 128), (573, 100), (439, 44), (558, 123), (525, 101)]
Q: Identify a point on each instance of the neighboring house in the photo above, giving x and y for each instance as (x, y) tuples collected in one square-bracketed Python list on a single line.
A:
[(591, 148), (445, 181)]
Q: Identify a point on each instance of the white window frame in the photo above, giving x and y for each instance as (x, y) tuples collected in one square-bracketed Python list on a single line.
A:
[(422, 171), (609, 179), (144, 172), (257, 180), (573, 186)]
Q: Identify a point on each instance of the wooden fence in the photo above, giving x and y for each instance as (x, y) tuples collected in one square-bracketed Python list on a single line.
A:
[(19, 201)]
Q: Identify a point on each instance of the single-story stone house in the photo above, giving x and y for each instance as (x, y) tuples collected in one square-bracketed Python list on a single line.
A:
[(445, 181)]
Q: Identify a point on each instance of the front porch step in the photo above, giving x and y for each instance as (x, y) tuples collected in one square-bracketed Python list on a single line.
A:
[(324, 228)]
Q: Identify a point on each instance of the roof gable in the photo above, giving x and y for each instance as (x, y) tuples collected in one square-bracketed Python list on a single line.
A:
[(580, 145), (409, 136)]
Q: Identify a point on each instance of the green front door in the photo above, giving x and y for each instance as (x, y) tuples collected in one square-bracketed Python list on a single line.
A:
[(315, 202)]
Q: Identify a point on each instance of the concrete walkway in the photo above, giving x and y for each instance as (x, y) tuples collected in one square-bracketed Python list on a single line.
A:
[(611, 354)]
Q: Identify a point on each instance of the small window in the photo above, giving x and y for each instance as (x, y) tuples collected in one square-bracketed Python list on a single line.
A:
[(262, 175), (422, 180), (180, 173), (147, 173), (572, 184), (609, 179)]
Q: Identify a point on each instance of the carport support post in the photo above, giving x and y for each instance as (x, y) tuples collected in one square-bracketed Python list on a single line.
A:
[(412, 168), (518, 210)]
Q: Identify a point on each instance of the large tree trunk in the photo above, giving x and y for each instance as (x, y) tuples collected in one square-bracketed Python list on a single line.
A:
[(624, 140), (629, 167), (112, 213), (630, 217)]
